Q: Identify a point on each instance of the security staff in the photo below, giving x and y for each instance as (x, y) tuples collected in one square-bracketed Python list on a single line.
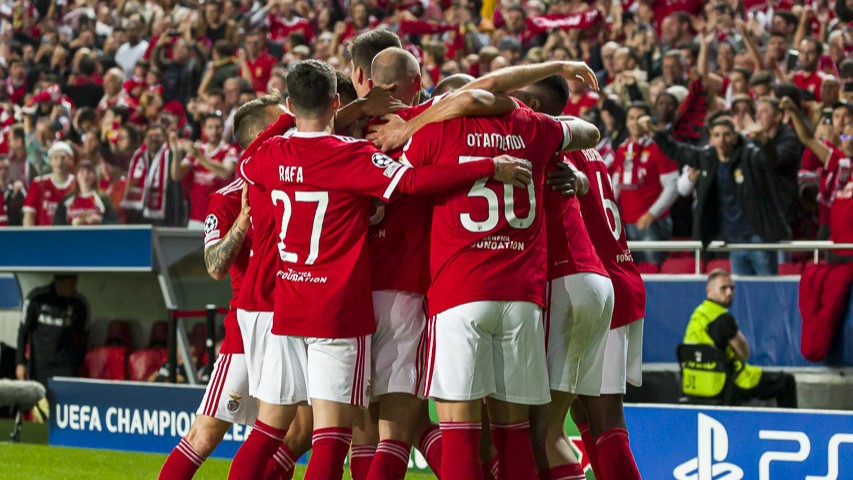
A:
[(711, 323), (55, 326)]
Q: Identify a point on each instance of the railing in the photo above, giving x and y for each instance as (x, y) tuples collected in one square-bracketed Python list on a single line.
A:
[(718, 246)]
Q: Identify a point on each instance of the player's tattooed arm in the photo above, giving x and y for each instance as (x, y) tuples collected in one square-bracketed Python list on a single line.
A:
[(219, 258)]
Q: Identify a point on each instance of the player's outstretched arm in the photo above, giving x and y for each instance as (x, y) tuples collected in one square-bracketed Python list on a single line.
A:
[(584, 134), (513, 78), (431, 179), (462, 103), (219, 258)]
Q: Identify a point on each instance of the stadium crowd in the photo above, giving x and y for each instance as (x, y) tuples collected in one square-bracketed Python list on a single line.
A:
[(122, 111)]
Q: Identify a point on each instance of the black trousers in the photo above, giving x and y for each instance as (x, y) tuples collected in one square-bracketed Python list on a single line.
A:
[(778, 385)]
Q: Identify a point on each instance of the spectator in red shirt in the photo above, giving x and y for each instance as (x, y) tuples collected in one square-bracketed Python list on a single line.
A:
[(644, 182), (809, 77), (86, 205), (255, 63), (581, 99), (47, 191), (15, 87)]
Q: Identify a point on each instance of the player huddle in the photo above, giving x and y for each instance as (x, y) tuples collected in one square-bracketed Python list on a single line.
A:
[(367, 281)]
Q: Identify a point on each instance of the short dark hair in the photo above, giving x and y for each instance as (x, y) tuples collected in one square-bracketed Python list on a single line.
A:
[(778, 33), (760, 78), (718, 115), (346, 89), (788, 89), (208, 116), (86, 65), (87, 114), (368, 44), (312, 86), (120, 111), (248, 121), (553, 92), (723, 121), (638, 104), (844, 105), (845, 68), (746, 73), (224, 48), (789, 17), (773, 102)]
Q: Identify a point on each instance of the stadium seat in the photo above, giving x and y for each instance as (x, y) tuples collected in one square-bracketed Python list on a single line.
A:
[(143, 363), (679, 266), (718, 264), (790, 268), (107, 363), (159, 335), (118, 333), (648, 267)]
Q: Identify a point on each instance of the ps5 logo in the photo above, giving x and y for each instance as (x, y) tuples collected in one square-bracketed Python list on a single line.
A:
[(713, 448)]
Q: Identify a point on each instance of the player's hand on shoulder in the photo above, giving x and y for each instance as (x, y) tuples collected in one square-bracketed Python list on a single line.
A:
[(564, 180), (514, 171), (381, 101), (390, 135)]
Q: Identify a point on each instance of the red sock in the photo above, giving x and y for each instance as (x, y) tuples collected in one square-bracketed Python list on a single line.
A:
[(330, 447), (252, 457), (430, 447), (463, 439), (619, 462), (391, 461), (591, 449), (571, 471), (515, 452), (492, 470), (182, 463), (360, 458), (281, 465)]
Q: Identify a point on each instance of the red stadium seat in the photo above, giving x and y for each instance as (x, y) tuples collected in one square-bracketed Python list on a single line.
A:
[(718, 264), (648, 268), (159, 335), (107, 363), (680, 266), (118, 333), (143, 363), (790, 268)]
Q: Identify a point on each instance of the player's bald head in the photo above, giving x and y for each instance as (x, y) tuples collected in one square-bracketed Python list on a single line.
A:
[(394, 65), (452, 83), (255, 116)]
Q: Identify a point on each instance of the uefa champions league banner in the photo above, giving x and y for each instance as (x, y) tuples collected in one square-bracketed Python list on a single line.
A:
[(129, 416), (669, 442), (690, 443)]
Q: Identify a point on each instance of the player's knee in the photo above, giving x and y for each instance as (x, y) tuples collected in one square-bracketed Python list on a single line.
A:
[(203, 440)]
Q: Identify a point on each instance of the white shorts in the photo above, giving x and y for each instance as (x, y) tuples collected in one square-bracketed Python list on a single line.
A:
[(255, 328), (299, 369), (397, 348), (576, 327), (488, 349), (623, 358), (227, 395)]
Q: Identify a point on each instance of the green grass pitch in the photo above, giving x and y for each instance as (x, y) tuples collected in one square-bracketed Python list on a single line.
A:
[(41, 462)]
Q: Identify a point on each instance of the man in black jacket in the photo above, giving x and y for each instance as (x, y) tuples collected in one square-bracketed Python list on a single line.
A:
[(737, 200), (789, 155), (55, 326)]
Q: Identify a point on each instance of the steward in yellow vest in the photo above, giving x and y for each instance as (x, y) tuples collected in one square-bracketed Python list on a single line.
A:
[(712, 324)]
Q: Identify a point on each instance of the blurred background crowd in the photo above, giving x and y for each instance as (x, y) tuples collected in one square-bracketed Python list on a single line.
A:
[(721, 120)]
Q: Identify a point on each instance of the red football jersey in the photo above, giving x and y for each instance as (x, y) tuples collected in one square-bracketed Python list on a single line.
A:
[(84, 205), (827, 177), (607, 233), (43, 197), (488, 241), (576, 108), (569, 249), (638, 169), (399, 235), (810, 81), (321, 187), (201, 182), (841, 209), (222, 212), (261, 71), (258, 291)]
